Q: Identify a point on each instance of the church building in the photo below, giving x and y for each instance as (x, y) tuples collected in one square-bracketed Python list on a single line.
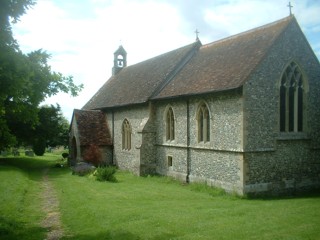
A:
[(241, 113)]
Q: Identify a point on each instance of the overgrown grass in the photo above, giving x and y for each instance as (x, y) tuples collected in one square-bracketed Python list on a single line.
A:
[(160, 208)]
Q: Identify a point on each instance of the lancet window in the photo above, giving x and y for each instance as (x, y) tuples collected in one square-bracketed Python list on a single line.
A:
[(203, 118), (169, 125), (126, 135), (292, 100)]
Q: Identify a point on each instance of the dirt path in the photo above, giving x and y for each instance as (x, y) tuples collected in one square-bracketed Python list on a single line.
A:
[(50, 206)]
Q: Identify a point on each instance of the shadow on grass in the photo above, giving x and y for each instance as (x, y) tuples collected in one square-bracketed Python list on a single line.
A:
[(32, 166), (314, 193), (11, 229), (118, 235)]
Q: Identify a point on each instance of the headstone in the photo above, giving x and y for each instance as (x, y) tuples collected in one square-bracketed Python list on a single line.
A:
[(4, 153), (15, 152), (29, 153)]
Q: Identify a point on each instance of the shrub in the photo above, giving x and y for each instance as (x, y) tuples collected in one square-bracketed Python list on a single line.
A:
[(93, 155), (106, 174), (65, 155), (39, 147), (58, 165)]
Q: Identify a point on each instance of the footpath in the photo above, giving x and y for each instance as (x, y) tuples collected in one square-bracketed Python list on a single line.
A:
[(50, 206)]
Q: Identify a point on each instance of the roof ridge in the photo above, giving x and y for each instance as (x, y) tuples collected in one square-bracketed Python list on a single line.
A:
[(87, 110), (162, 54), (248, 31), (184, 60)]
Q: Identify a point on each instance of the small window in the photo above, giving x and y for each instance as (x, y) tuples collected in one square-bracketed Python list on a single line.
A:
[(126, 135), (169, 161), (203, 119), (292, 99), (169, 125)]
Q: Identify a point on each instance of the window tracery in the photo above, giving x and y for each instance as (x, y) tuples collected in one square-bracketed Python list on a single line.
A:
[(126, 135), (292, 98), (203, 118)]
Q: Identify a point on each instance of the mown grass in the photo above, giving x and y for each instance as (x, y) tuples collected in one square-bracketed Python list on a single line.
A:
[(160, 208), (155, 208), (20, 203)]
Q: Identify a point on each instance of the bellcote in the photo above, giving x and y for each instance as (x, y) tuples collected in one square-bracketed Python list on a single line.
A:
[(119, 60)]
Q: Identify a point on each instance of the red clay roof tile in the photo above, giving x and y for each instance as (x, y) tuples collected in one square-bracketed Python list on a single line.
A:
[(225, 64), (135, 84), (92, 127), (221, 65)]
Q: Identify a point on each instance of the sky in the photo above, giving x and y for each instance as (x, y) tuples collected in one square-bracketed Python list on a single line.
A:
[(82, 35)]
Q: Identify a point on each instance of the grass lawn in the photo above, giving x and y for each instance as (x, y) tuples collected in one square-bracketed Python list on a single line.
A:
[(20, 186), (145, 208)]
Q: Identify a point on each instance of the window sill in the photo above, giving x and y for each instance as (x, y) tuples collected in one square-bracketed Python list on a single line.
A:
[(293, 136), (202, 143)]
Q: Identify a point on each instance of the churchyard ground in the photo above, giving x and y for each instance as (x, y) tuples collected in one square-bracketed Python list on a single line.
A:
[(138, 207)]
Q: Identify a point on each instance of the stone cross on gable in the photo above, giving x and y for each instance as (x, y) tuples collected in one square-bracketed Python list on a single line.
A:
[(197, 32), (290, 6)]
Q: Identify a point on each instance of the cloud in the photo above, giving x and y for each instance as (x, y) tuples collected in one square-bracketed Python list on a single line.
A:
[(83, 35)]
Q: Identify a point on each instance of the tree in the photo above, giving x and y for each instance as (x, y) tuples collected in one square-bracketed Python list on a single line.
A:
[(52, 130), (26, 80), (52, 126)]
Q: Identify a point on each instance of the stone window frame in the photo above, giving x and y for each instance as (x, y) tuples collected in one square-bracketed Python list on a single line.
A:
[(203, 122), (126, 135), (170, 161), (293, 89), (169, 120)]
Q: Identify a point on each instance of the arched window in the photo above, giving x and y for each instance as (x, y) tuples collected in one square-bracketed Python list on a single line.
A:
[(120, 61), (126, 135), (292, 100), (203, 118), (169, 125)]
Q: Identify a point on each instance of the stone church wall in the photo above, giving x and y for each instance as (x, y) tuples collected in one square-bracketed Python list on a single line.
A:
[(220, 169), (106, 152), (178, 155), (75, 151), (278, 161), (262, 92), (216, 162), (176, 149), (147, 153), (128, 159), (246, 152), (226, 120), (292, 168)]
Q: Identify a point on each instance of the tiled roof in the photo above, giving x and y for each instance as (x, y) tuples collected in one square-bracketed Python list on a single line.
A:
[(193, 69), (136, 83), (225, 64), (92, 127)]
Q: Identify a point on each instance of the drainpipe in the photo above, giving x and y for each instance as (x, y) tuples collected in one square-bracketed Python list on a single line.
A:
[(112, 152), (188, 143)]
